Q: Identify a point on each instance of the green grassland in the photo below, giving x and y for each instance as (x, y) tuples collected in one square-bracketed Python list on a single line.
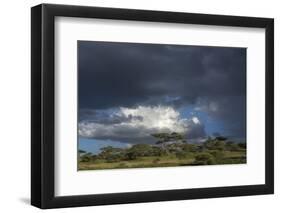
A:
[(163, 161), (214, 151)]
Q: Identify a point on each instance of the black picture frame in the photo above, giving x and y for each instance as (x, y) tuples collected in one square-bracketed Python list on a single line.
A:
[(43, 102)]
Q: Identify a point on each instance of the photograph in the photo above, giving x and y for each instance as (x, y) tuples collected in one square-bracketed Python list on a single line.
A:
[(138, 105), (143, 105)]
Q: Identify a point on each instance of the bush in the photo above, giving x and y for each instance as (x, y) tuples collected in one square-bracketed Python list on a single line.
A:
[(85, 158), (94, 158), (181, 155), (242, 145), (113, 158), (141, 150), (190, 148), (214, 144), (157, 151), (218, 155), (204, 159), (231, 146), (130, 155)]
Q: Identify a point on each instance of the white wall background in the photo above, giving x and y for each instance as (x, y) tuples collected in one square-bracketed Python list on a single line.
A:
[(15, 105)]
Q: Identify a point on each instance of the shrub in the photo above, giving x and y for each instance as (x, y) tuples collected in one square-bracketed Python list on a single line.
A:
[(94, 158), (181, 155), (157, 151), (141, 150), (85, 158), (113, 158), (242, 145), (111, 154), (130, 155), (231, 146), (190, 148), (204, 159), (214, 145), (218, 155)]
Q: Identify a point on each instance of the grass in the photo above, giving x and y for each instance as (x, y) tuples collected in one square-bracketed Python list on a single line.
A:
[(229, 157)]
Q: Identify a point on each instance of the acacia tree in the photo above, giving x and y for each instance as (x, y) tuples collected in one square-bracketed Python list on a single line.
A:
[(166, 137), (161, 137), (109, 152), (81, 151), (221, 138), (86, 157), (177, 137)]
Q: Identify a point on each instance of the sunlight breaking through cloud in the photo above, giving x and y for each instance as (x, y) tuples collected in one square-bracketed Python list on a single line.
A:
[(137, 124)]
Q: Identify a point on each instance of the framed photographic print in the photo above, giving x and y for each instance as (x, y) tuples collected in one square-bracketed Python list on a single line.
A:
[(139, 106)]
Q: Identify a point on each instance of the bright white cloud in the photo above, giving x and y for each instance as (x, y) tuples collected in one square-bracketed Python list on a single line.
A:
[(195, 120), (137, 124), (159, 117)]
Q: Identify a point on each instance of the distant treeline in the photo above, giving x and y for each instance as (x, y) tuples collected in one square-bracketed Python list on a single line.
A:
[(212, 151)]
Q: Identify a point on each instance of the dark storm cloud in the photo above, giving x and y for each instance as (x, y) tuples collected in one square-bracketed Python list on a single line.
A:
[(229, 109), (126, 74)]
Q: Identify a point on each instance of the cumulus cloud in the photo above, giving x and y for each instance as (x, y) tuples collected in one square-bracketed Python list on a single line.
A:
[(135, 125)]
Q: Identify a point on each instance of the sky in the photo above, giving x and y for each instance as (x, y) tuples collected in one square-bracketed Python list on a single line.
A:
[(128, 91)]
